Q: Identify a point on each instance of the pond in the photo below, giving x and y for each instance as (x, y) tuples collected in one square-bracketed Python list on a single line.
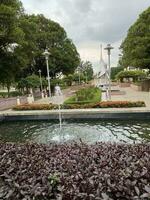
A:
[(87, 131)]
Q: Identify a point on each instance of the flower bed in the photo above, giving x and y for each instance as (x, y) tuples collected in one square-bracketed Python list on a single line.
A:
[(36, 107), (106, 104), (78, 171), (119, 104)]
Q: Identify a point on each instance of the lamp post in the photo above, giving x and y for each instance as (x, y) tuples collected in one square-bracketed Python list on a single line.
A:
[(40, 79), (46, 54), (109, 48)]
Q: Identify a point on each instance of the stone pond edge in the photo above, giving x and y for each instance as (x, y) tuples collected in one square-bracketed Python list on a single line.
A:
[(117, 113)]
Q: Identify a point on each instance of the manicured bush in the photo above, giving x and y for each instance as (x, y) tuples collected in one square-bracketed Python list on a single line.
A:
[(119, 104), (102, 171), (107, 104), (85, 96)]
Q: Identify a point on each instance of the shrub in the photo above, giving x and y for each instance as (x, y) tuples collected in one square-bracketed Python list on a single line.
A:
[(85, 96), (75, 171), (119, 104), (36, 107), (108, 104)]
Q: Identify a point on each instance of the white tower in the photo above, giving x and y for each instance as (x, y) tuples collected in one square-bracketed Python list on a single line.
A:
[(102, 76)]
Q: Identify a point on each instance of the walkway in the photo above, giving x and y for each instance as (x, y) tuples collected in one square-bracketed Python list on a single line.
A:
[(60, 99), (132, 95), (125, 94)]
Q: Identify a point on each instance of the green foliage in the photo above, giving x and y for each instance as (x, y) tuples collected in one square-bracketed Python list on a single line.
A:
[(78, 76), (68, 79), (9, 31), (86, 69), (23, 39), (54, 181), (10, 34), (115, 71), (32, 81), (42, 33), (84, 96), (136, 75), (136, 46), (10, 94)]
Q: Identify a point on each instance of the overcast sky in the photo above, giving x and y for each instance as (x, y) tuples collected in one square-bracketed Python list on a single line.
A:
[(90, 23)]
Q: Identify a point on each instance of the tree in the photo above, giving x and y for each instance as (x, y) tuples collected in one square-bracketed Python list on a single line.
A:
[(115, 71), (23, 39), (86, 69), (136, 46), (10, 37), (136, 75), (42, 33), (10, 33), (32, 81)]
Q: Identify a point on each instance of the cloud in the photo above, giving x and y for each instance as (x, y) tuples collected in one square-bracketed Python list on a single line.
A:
[(91, 22)]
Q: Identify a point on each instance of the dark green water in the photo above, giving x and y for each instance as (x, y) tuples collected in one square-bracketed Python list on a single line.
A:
[(88, 131)]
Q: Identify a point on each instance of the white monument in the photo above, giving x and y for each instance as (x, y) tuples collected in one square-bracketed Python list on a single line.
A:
[(101, 77)]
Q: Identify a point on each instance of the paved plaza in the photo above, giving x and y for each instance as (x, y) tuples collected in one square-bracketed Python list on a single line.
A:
[(132, 95), (124, 94)]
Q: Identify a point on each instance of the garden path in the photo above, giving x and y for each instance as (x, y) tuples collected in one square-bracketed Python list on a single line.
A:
[(70, 91), (132, 95), (126, 94)]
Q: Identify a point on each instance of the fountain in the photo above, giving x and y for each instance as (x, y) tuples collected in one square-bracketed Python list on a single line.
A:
[(89, 131), (60, 118)]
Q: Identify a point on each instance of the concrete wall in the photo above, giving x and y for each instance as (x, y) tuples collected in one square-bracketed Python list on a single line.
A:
[(76, 114)]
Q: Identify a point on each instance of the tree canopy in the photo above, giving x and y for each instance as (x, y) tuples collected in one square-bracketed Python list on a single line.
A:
[(42, 33), (115, 71), (23, 39), (10, 36), (136, 46), (136, 75), (86, 68)]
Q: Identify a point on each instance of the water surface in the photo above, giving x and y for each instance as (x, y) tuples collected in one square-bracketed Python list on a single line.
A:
[(87, 131)]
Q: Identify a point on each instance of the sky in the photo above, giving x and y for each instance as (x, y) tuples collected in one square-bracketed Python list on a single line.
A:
[(90, 23)]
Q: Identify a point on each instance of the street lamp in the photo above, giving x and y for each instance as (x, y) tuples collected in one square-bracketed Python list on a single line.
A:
[(46, 54), (40, 80), (109, 48)]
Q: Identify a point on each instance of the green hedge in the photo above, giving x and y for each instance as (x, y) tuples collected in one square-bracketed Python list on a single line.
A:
[(107, 104)]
